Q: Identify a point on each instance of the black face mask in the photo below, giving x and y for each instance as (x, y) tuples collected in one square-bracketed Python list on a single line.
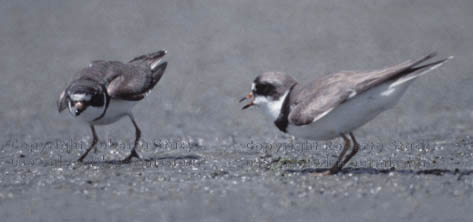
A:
[(264, 89)]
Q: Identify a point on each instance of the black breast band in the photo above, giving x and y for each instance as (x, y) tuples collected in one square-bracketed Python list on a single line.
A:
[(282, 121)]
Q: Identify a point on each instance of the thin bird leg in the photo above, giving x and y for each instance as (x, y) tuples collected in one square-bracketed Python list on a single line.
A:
[(336, 166), (137, 139), (353, 152), (94, 141)]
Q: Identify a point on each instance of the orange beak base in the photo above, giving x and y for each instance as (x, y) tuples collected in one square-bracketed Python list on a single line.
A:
[(249, 96)]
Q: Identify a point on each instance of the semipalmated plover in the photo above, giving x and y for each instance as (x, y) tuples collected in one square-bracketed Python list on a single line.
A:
[(106, 91), (334, 105)]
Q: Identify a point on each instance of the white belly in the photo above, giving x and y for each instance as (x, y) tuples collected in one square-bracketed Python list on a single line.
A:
[(351, 114), (115, 111)]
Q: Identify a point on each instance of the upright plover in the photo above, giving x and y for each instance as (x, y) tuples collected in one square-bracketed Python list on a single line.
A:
[(334, 105)]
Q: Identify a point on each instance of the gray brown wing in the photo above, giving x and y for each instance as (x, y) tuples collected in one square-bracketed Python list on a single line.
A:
[(316, 100), (133, 82), (320, 97)]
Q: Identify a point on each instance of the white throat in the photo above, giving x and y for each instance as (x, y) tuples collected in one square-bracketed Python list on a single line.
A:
[(272, 107)]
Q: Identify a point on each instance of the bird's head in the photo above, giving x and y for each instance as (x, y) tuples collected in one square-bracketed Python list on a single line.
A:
[(84, 98), (269, 91)]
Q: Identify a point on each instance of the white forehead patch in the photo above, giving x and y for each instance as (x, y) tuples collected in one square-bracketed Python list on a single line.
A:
[(253, 87), (80, 97)]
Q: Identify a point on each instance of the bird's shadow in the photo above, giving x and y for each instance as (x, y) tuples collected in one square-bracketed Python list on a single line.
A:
[(359, 171), (152, 159), (173, 157)]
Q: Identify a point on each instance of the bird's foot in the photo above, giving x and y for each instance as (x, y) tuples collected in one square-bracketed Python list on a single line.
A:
[(81, 158), (129, 157)]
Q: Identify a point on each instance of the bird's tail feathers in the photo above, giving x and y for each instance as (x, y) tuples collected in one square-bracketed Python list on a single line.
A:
[(415, 71), (152, 60)]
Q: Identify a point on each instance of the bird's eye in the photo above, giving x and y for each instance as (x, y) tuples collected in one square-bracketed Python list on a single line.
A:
[(97, 100)]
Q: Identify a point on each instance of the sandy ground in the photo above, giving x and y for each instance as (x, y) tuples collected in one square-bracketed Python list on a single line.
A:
[(205, 159)]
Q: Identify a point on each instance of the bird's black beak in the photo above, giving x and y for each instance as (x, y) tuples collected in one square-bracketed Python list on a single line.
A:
[(249, 96)]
